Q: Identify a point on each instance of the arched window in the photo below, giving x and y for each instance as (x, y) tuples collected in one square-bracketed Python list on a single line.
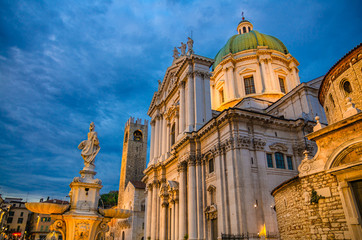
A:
[(244, 29), (332, 100), (249, 29), (279, 160), (282, 85), (173, 134), (123, 236), (249, 85), (347, 87), (137, 135)]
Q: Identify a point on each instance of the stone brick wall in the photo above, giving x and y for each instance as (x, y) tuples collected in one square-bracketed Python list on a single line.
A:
[(298, 218), (349, 68)]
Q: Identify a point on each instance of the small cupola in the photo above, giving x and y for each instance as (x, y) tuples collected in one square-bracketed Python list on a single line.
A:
[(244, 26)]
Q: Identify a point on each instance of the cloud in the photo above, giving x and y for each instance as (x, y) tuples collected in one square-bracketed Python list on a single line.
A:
[(66, 63)]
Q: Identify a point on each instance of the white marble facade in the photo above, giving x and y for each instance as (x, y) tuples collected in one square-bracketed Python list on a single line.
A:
[(213, 163)]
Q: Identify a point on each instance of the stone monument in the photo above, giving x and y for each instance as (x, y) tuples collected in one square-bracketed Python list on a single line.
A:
[(82, 219)]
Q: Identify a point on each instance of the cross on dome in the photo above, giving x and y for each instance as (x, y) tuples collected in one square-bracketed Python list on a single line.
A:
[(244, 26)]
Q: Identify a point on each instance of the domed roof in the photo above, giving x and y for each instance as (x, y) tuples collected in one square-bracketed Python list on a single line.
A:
[(250, 40)]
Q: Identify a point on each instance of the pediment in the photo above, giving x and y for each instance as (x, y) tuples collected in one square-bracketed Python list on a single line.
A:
[(278, 147), (246, 70), (280, 70), (348, 156)]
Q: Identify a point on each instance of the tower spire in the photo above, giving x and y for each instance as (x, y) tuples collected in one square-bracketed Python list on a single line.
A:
[(242, 16)]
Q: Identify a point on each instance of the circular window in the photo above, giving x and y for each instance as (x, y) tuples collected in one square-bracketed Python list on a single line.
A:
[(347, 87)]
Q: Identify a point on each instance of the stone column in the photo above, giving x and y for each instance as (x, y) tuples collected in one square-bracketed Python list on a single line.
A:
[(220, 193), (173, 220), (208, 113), (226, 85), (177, 126), (263, 185), (182, 201), (199, 200), (182, 108), (152, 140), (164, 211), (192, 207), (264, 76), (249, 218), (149, 211), (191, 109), (274, 80), (233, 88), (176, 235), (157, 136), (199, 100), (154, 211), (168, 140), (158, 213), (204, 196), (164, 136), (232, 188)]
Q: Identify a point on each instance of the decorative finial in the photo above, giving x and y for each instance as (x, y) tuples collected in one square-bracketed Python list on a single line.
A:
[(242, 16), (318, 126)]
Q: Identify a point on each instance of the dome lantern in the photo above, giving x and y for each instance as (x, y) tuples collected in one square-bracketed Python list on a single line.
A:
[(244, 26)]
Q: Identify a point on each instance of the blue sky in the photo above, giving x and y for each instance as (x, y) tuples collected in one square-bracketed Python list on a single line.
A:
[(66, 63)]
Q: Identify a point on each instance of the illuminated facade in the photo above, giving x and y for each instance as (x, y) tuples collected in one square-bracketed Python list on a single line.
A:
[(325, 200), (222, 140)]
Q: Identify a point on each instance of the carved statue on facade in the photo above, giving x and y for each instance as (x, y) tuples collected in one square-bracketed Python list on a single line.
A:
[(90, 147), (190, 44), (182, 49), (175, 53)]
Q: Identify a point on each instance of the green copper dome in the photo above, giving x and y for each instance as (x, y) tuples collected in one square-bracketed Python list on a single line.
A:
[(250, 40)]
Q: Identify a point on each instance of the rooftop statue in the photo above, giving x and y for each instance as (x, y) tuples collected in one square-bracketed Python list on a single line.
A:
[(90, 147), (175, 53), (190, 44), (182, 49)]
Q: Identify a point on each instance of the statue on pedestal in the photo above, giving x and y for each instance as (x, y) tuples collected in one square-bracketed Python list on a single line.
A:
[(190, 45), (175, 54), (90, 147), (183, 49)]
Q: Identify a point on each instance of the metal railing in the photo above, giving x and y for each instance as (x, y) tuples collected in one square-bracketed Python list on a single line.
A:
[(249, 236)]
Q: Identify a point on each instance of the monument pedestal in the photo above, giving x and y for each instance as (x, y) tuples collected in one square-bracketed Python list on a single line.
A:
[(81, 220)]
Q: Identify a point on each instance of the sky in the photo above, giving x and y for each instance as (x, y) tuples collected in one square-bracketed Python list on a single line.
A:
[(64, 64)]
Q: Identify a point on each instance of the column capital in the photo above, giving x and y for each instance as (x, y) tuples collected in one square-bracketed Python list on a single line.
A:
[(181, 84), (181, 166), (155, 183), (243, 142), (259, 144), (191, 161), (199, 160)]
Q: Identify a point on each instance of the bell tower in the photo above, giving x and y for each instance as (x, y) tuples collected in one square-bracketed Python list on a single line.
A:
[(134, 154)]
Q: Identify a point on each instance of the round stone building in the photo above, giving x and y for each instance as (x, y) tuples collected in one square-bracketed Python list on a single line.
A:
[(325, 200)]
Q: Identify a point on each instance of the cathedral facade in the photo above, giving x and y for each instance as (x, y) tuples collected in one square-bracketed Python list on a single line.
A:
[(222, 140)]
